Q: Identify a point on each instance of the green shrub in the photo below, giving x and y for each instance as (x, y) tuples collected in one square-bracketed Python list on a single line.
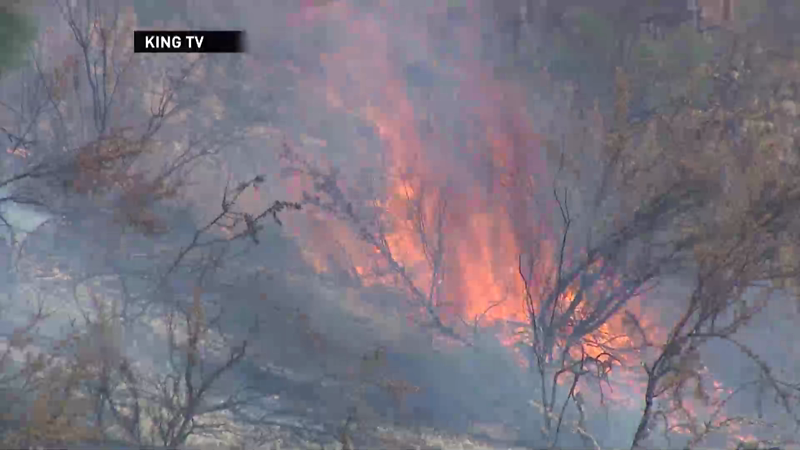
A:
[(16, 31)]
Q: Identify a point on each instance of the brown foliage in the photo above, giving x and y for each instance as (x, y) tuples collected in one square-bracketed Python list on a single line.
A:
[(106, 166), (135, 207), (101, 165), (44, 389), (735, 145)]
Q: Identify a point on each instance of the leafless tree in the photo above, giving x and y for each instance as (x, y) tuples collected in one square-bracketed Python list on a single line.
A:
[(328, 197), (84, 150), (167, 407), (738, 271), (678, 224)]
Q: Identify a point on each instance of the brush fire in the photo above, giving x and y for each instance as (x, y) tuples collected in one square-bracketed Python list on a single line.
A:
[(532, 224), (461, 225)]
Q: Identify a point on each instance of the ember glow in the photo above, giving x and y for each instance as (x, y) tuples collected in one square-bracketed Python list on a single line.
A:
[(476, 178), (431, 175)]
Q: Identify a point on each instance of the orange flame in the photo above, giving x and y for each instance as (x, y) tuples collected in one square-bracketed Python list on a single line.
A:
[(488, 218)]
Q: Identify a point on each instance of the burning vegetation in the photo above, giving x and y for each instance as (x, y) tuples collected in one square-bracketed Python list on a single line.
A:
[(404, 224)]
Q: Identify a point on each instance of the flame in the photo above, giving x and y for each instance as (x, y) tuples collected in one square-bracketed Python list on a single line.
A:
[(478, 186), (480, 228)]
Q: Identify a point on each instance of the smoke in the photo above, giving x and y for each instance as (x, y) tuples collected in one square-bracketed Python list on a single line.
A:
[(387, 91), (20, 217), (409, 101), (383, 91)]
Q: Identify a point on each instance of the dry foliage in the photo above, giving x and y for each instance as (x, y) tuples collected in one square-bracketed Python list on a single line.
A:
[(42, 385), (91, 150), (703, 190)]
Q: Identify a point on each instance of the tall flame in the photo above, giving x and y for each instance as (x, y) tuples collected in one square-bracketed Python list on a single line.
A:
[(475, 178), (442, 178)]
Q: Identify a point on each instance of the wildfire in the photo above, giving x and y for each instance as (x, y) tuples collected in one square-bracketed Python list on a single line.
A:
[(473, 182), (474, 185)]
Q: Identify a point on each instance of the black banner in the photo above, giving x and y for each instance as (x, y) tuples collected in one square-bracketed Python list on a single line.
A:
[(188, 41)]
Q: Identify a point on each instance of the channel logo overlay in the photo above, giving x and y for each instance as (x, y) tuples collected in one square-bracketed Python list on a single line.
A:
[(173, 41)]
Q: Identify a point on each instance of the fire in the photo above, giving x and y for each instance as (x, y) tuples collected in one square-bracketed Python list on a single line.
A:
[(476, 185)]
